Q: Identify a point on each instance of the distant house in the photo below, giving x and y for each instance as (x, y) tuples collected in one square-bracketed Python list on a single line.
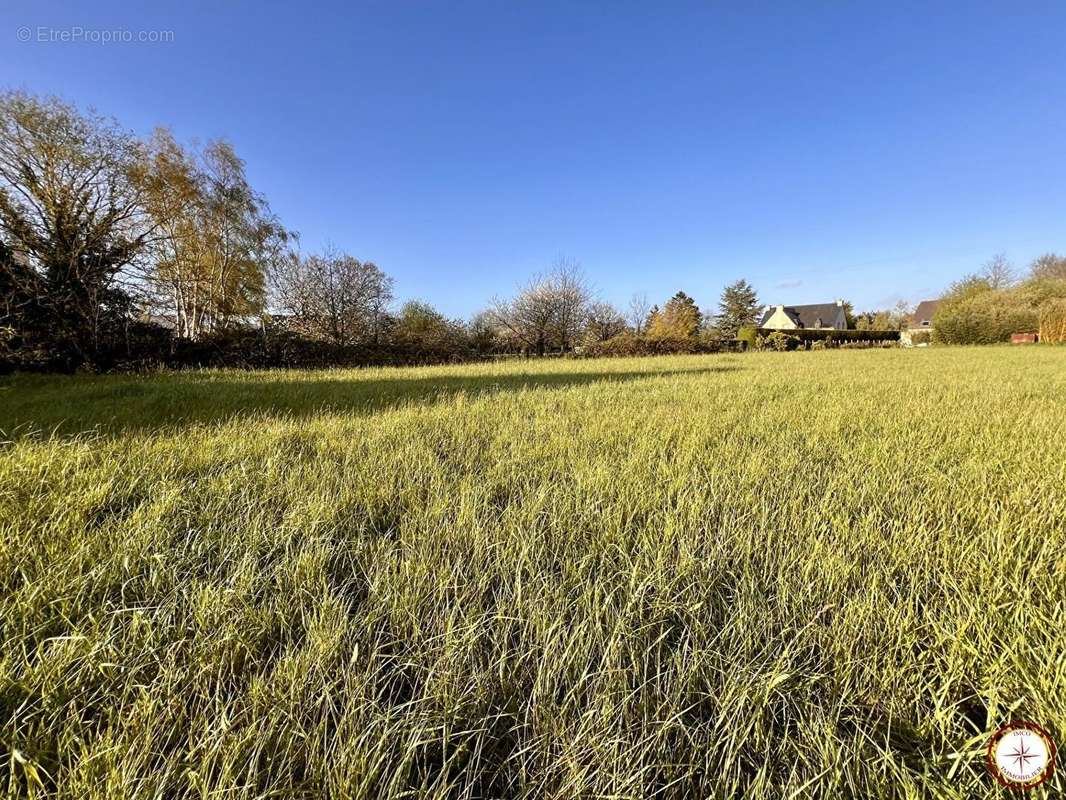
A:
[(921, 323), (819, 316), (922, 318)]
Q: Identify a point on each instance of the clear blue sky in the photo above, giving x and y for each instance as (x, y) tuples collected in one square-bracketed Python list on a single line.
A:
[(819, 149)]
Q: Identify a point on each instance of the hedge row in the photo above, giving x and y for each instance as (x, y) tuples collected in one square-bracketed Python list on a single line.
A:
[(147, 347), (827, 335), (629, 344)]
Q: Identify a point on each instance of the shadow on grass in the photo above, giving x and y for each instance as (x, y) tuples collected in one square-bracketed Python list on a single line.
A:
[(114, 405)]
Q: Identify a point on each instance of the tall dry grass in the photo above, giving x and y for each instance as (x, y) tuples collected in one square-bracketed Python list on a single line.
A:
[(769, 575)]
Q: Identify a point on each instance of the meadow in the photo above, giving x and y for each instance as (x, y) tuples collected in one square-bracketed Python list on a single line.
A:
[(761, 575)]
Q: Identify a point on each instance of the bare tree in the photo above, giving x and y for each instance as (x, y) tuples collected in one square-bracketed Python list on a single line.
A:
[(333, 296), (999, 272), (485, 333), (572, 295), (603, 322), (638, 312), (547, 312), (901, 314), (1049, 265), (527, 318)]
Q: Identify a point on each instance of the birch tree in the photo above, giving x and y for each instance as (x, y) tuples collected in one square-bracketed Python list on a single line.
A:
[(220, 240)]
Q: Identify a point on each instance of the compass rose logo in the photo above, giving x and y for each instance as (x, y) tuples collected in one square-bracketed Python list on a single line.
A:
[(1021, 755)]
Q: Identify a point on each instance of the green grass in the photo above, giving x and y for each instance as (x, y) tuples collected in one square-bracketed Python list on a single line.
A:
[(761, 575)]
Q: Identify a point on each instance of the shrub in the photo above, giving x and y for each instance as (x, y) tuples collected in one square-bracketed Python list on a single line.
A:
[(866, 345), (1053, 321), (976, 314), (276, 346), (20, 352), (748, 335), (131, 346), (984, 318), (629, 345), (780, 342)]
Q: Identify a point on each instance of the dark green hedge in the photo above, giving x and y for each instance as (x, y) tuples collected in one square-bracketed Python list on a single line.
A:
[(830, 335), (748, 335), (146, 347)]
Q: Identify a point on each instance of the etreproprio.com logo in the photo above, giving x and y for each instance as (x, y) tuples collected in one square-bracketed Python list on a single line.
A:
[(77, 34)]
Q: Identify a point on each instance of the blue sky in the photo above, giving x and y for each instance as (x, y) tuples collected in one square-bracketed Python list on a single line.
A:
[(819, 149)]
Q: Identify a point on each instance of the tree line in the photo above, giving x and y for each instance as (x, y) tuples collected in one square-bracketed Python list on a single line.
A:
[(118, 251), (122, 252)]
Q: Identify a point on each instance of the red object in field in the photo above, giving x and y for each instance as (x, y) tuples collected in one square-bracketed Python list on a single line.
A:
[(1024, 338)]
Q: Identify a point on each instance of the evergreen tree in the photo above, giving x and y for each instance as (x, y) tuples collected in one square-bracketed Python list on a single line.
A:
[(739, 307), (678, 319)]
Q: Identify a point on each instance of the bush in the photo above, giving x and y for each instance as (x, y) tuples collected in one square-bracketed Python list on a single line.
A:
[(780, 342), (276, 346), (630, 345), (973, 314), (748, 335), (21, 352), (866, 345), (131, 346), (123, 346), (986, 318), (1053, 321), (422, 335)]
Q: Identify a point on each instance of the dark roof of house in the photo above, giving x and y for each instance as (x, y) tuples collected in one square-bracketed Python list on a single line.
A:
[(924, 312), (812, 316)]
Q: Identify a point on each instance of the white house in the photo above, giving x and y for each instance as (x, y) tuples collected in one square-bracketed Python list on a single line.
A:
[(816, 317)]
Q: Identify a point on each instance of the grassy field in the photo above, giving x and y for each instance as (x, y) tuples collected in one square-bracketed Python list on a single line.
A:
[(769, 575)]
